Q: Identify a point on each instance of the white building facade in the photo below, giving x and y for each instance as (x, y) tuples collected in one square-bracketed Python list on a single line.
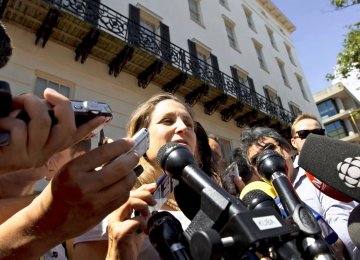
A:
[(233, 61)]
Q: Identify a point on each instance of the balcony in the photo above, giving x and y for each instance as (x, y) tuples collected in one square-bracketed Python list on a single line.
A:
[(91, 28)]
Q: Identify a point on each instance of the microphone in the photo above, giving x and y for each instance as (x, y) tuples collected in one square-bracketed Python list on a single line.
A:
[(272, 166), (258, 185), (335, 162), (267, 189), (354, 226), (221, 217), (258, 199), (166, 235)]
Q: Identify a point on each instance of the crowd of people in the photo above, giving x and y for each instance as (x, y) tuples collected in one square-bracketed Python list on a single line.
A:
[(94, 207)]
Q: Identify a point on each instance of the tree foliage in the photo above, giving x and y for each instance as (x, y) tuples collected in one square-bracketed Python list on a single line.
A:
[(348, 59), (344, 3)]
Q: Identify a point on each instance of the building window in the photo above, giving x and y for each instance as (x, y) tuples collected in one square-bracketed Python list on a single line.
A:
[(225, 148), (249, 19), (336, 129), (271, 95), (229, 26), (148, 25), (295, 110), (45, 80), (283, 72), (288, 50), (301, 85), (240, 75), (275, 103), (271, 37), (150, 21), (260, 56), (327, 108), (194, 7)]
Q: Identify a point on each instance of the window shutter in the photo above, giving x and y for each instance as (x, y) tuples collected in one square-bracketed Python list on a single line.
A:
[(133, 25), (218, 79), (252, 93), (193, 58), (266, 91), (91, 14), (251, 84), (234, 74), (165, 42)]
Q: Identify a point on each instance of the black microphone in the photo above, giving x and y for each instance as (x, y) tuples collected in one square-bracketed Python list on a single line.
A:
[(354, 226), (237, 227), (258, 199), (272, 166), (166, 235), (335, 162), (179, 163)]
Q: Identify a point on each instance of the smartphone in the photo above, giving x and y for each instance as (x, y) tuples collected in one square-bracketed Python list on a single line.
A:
[(141, 143), (84, 111)]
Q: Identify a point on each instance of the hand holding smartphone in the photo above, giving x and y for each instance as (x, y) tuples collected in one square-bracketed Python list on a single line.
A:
[(141, 143)]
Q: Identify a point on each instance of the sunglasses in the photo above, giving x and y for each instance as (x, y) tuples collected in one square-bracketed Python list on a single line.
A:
[(302, 134), (269, 146)]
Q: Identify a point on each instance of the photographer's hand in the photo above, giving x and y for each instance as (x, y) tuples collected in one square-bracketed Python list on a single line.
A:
[(32, 144)]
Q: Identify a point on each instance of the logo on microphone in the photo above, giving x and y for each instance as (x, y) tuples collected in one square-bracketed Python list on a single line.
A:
[(349, 172)]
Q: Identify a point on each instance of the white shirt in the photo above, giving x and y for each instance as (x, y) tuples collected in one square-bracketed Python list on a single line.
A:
[(336, 213)]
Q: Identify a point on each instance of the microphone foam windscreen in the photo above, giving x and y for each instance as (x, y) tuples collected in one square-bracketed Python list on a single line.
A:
[(335, 162), (354, 226), (258, 185)]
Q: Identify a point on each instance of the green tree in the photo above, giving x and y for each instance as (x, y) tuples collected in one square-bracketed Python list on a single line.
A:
[(349, 59)]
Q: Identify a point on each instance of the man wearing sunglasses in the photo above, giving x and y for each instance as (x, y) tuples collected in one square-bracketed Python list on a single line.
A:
[(335, 213)]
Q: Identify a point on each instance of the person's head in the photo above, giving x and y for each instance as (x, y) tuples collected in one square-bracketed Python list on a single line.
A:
[(254, 140), (167, 119), (245, 170), (59, 159), (5, 46), (302, 126), (215, 147), (203, 153)]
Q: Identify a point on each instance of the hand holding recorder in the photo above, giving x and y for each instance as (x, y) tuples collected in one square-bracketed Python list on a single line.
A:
[(30, 143)]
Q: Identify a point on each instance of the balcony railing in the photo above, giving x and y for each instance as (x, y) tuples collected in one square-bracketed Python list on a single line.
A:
[(114, 23)]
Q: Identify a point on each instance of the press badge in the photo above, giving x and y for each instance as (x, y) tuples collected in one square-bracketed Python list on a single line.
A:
[(165, 185)]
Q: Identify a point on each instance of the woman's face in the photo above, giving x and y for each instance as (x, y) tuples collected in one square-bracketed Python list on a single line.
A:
[(170, 122)]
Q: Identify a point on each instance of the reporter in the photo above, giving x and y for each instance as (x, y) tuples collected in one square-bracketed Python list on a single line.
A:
[(32, 144), (167, 119), (76, 194)]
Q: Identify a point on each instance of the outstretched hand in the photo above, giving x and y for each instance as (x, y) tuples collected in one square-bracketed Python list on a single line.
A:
[(32, 144)]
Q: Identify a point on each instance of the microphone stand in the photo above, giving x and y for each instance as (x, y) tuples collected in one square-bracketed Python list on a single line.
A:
[(271, 166)]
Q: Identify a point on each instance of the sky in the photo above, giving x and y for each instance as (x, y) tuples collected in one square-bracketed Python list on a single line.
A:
[(319, 35)]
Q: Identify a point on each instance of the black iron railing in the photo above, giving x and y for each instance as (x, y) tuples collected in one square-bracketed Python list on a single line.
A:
[(114, 23)]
